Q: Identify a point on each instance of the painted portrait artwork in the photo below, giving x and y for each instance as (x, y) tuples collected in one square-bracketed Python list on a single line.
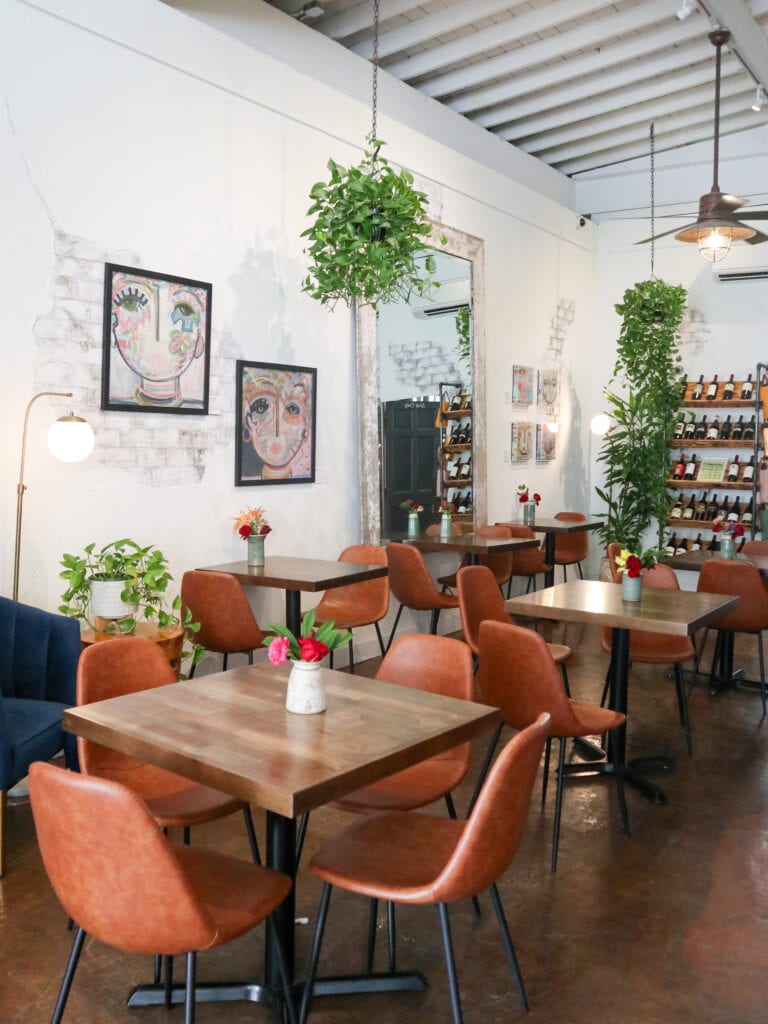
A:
[(157, 332), (276, 407), (548, 388), (521, 446), (545, 443), (522, 384)]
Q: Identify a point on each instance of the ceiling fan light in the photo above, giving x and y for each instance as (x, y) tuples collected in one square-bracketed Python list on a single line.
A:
[(715, 244)]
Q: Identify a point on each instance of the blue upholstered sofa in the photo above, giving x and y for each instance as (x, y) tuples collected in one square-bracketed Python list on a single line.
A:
[(38, 666)]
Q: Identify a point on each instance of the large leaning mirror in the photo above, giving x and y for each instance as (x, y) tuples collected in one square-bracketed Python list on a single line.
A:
[(421, 395)]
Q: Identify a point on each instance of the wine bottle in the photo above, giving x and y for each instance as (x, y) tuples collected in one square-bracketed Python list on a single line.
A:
[(712, 508), (725, 428), (681, 547), (733, 470), (749, 513), (696, 544), (690, 427), (679, 467), (468, 434), (688, 508), (723, 509), (679, 426), (453, 469), (690, 468), (676, 512), (712, 389), (671, 544), (748, 474), (700, 509), (466, 470), (738, 429), (456, 403), (728, 389), (734, 511), (749, 430), (741, 544), (713, 433), (701, 428), (458, 435), (746, 389), (698, 390)]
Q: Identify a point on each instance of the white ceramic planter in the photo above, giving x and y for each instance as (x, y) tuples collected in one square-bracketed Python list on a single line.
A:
[(306, 688), (106, 602)]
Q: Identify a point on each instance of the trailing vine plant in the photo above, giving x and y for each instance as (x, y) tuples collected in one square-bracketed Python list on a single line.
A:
[(464, 334), (649, 382)]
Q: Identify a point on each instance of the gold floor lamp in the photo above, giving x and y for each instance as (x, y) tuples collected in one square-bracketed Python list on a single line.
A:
[(70, 439)]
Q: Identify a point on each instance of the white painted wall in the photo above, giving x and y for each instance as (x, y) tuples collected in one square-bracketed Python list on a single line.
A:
[(153, 140)]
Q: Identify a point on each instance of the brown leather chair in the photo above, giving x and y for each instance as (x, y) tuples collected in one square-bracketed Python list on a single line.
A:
[(457, 529), (499, 563), (417, 858), (726, 576), (571, 548), (755, 547), (412, 585), (613, 551), (529, 562), (518, 676), (359, 604), (227, 623), (129, 665), (656, 648), (124, 884)]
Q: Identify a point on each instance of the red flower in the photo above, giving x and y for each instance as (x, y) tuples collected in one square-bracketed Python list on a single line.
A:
[(265, 529), (245, 531), (311, 649), (536, 497), (738, 530), (634, 566), (524, 496)]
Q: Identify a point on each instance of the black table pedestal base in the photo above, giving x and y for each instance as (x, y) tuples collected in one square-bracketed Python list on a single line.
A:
[(212, 992), (351, 984), (631, 777)]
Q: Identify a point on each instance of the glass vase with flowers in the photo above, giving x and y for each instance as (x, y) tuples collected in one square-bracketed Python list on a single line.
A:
[(412, 508), (253, 527), (631, 566), (447, 509), (306, 686), (729, 532), (528, 503)]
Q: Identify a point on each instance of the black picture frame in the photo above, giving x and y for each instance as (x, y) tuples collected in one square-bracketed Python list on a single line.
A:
[(263, 455), (176, 364)]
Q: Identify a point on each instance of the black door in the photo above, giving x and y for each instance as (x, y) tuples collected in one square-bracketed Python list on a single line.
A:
[(411, 447)]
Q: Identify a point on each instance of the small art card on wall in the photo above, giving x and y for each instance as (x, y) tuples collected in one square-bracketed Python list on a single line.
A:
[(276, 413), (156, 342), (522, 385), (545, 443), (548, 388), (521, 446)]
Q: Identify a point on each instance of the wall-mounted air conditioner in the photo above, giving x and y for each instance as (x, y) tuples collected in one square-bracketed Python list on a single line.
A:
[(448, 299), (739, 266)]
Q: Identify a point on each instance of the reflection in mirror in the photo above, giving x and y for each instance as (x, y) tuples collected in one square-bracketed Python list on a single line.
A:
[(421, 393)]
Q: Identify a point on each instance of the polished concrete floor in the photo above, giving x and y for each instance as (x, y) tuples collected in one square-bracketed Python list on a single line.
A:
[(667, 927)]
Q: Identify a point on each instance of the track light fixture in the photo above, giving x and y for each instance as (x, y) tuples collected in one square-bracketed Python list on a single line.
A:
[(685, 10), (760, 99)]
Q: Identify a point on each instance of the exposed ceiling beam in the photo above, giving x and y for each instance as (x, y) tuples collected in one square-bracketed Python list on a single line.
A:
[(616, 154), (643, 103), (538, 20), (589, 37), (432, 26), (747, 37), (347, 23)]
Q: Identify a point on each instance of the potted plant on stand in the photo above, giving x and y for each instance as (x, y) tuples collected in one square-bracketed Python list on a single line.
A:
[(634, 452)]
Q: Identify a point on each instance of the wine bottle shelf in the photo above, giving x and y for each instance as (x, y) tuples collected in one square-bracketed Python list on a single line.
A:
[(459, 481), (747, 443), (702, 403), (713, 485), (697, 524), (457, 414), (719, 403), (450, 449)]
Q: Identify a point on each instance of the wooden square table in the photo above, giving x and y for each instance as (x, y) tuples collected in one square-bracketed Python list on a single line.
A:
[(294, 575), (231, 731), (673, 612), (550, 528), (468, 544)]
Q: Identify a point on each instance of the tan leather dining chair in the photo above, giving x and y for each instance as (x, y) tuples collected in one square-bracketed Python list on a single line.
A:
[(412, 585), (500, 563), (359, 604), (227, 623), (518, 676), (528, 563), (415, 858), (124, 884), (571, 548)]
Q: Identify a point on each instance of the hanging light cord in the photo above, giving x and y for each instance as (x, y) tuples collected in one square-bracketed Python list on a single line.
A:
[(375, 83), (652, 133)]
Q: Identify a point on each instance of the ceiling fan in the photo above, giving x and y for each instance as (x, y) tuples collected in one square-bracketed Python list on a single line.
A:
[(719, 223)]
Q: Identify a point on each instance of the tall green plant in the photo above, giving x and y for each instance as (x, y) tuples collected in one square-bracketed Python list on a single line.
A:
[(635, 451)]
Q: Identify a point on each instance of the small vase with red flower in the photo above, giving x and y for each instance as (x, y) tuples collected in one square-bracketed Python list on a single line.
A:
[(253, 527), (306, 685)]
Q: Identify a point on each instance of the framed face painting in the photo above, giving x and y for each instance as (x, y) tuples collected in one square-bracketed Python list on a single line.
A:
[(522, 384), (545, 443), (276, 415), (548, 387), (156, 342), (521, 444)]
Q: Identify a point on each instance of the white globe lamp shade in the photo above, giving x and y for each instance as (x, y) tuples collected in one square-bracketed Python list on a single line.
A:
[(600, 424), (71, 439)]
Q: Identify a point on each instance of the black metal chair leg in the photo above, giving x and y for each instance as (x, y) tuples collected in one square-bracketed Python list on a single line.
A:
[(351, 656), (606, 687), (157, 968), (450, 963), (619, 773), (433, 621), (682, 704), (565, 574), (486, 766), (509, 949), (187, 835), (545, 776), (283, 968), (762, 667), (69, 974), (192, 668), (391, 936), (252, 840), (303, 822), (698, 659), (394, 627), (381, 639), (224, 663), (373, 913), (317, 942), (330, 661), (581, 574), (450, 805), (566, 684), (250, 657), (558, 801), (189, 989), (168, 981)]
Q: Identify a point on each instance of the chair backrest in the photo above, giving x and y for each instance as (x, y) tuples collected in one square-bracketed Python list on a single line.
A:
[(530, 561), (571, 547), (38, 653), (373, 595), (113, 870), (409, 578), (479, 600), (500, 563), (217, 601), (644, 646), (755, 547), (662, 577), (492, 834), (112, 668), (726, 576), (518, 675), (612, 551)]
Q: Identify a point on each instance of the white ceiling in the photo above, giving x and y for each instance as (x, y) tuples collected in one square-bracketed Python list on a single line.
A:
[(575, 83)]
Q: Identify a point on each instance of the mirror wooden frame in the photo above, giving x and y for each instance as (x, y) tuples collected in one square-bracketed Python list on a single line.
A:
[(468, 247)]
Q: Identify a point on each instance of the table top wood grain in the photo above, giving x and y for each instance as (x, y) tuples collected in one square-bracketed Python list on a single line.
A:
[(692, 561), (231, 731), (541, 525), (468, 543), (673, 612), (308, 574)]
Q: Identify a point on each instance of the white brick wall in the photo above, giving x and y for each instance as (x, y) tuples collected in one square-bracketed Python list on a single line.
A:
[(159, 449)]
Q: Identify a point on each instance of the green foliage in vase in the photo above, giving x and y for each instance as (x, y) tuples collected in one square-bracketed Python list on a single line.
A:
[(464, 334), (369, 234), (650, 378)]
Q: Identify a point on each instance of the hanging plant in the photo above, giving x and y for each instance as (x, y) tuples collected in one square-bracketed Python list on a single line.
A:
[(370, 226)]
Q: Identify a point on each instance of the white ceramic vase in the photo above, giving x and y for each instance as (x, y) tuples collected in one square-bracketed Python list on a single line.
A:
[(306, 688), (728, 547), (413, 524), (529, 513)]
